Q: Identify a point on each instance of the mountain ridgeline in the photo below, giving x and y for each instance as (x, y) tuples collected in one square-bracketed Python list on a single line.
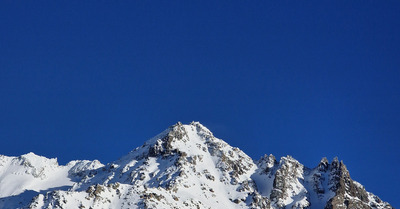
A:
[(183, 167)]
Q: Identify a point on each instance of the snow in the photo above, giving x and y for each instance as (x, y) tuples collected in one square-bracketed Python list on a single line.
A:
[(185, 166)]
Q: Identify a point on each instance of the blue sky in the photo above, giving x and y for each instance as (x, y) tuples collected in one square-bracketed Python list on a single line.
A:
[(95, 79)]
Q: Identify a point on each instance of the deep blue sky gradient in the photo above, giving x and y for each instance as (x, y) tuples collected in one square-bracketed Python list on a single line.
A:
[(95, 79)]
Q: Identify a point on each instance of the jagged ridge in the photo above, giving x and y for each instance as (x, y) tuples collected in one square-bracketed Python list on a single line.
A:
[(183, 167)]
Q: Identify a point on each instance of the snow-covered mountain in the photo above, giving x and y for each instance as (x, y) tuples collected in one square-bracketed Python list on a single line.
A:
[(183, 167)]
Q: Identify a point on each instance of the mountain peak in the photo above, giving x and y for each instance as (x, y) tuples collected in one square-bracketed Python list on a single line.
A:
[(185, 166), (323, 164)]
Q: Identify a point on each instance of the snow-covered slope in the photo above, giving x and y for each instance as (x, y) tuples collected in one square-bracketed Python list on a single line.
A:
[(23, 177), (183, 167)]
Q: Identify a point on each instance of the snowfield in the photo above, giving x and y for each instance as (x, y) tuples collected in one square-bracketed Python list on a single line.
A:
[(183, 167)]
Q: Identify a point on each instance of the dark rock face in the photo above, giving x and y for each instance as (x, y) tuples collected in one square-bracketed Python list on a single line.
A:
[(258, 201), (267, 164), (328, 186), (349, 194), (288, 181), (164, 146)]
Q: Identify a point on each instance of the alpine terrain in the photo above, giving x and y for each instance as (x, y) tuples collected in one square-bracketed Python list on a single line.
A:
[(183, 167)]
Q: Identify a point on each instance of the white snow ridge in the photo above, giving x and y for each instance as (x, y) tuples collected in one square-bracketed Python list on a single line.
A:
[(183, 167)]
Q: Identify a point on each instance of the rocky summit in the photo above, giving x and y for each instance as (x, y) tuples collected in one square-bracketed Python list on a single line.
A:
[(183, 167)]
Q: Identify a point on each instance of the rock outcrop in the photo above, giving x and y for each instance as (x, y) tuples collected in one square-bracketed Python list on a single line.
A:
[(183, 167)]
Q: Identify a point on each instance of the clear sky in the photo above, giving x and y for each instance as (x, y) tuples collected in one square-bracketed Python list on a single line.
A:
[(95, 79)]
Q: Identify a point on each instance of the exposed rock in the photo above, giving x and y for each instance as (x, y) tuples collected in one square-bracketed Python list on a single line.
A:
[(183, 167)]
